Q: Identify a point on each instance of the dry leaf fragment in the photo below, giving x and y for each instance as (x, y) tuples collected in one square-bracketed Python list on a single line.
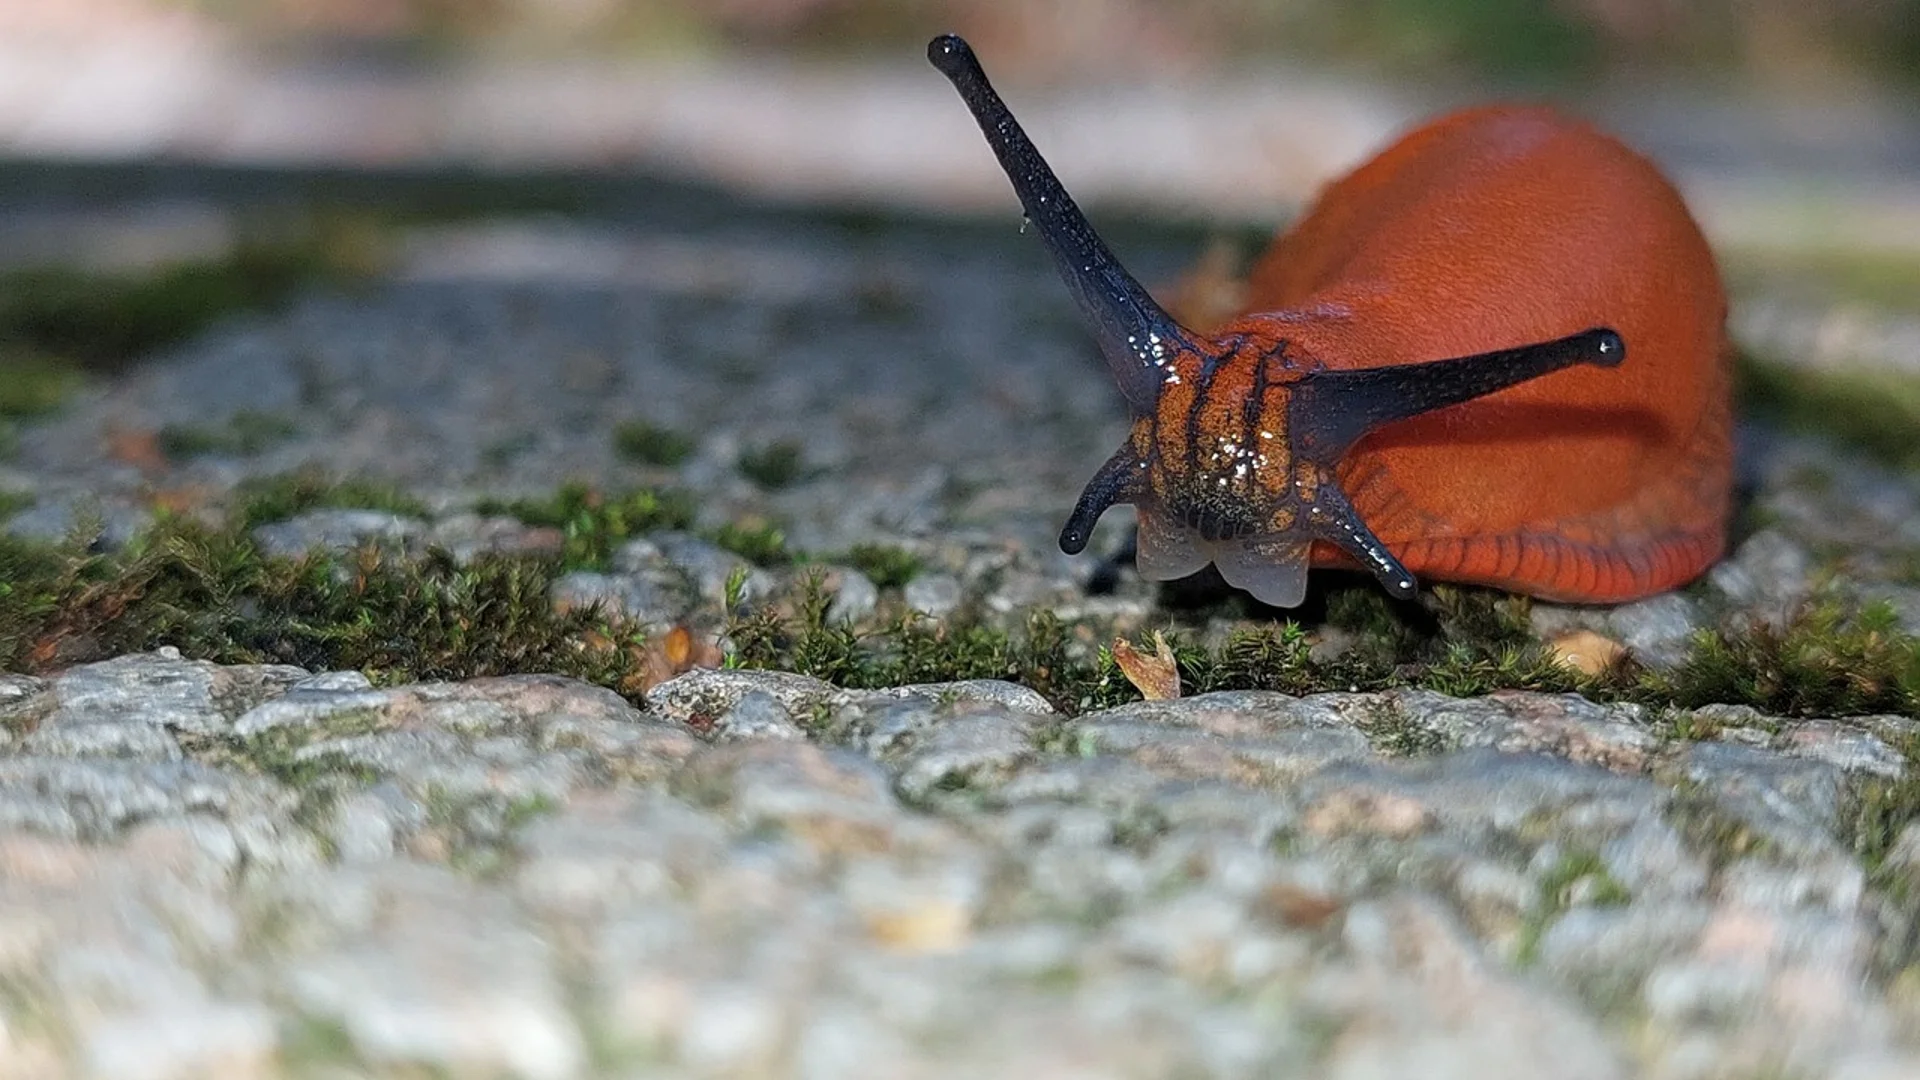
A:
[(1157, 677), (675, 652), (1587, 652)]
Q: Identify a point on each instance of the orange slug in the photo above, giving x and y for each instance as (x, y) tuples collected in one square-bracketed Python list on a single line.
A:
[(1494, 354)]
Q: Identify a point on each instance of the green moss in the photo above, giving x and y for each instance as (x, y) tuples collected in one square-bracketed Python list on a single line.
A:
[(1559, 891), (312, 1045), (887, 566), (245, 433), (761, 543), (105, 321), (1828, 662), (278, 498), (913, 649), (1707, 826), (212, 594), (650, 444), (773, 466), (1468, 671), (596, 524), (1875, 411), (523, 810), (1883, 280), (34, 385), (1392, 731), (35, 579), (209, 591), (1273, 656)]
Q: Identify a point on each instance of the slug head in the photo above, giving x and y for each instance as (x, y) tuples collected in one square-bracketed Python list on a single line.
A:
[(1234, 442)]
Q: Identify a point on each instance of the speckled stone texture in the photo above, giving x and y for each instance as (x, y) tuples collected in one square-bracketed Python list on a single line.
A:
[(246, 871)]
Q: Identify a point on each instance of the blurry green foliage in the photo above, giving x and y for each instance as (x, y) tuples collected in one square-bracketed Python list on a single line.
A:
[(1524, 38)]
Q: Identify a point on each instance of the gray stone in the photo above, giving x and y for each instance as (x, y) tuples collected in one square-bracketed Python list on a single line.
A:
[(975, 748), (1659, 630), (1008, 695), (128, 706), (331, 680), (185, 1041), (1512, 1029), (442, 981), (936, 595), (317, 708), (132, 741), (855, 596), (339, 531), (1844, 746), (1794, 803), (703, 695), (95, 798), (1767, 577), (757, 715), (706, 564), (1254, 737), (363, 828), (468, 536), (643, 599)]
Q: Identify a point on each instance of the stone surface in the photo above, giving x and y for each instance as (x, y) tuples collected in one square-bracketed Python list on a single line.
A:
[(531, 877)]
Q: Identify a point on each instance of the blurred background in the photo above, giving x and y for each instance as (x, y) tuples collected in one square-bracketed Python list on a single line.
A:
[(259, 144), (1247, 104)]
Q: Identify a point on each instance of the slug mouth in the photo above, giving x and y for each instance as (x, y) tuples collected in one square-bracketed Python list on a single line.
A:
[(1214, 523)]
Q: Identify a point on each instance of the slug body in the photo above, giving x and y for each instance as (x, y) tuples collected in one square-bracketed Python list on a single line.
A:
[(1493, 354)]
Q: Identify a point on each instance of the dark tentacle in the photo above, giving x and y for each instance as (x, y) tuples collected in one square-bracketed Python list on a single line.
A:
[(1118, 481), (1330, 410), (1135, 335)]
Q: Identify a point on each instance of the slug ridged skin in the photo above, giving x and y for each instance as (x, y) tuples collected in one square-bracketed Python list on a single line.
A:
[(1497, 226)]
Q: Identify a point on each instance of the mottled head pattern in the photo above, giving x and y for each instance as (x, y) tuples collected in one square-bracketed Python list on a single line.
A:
[(1234, 442)]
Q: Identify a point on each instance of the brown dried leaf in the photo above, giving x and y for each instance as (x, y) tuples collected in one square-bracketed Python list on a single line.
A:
[(1157, 677), (1587, 652), (675, 652), (138, 447)]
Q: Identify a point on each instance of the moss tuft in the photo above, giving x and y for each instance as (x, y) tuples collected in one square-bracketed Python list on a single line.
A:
[(212, 593), (651, 444), (278, 498), (214, 596), (104, 321), (596, 524), (775, 465), (1874, 411), (34, 385), (245, 433), (759, 542), (887, 566), (1579, 878), (1826, 662), (1392, 731)]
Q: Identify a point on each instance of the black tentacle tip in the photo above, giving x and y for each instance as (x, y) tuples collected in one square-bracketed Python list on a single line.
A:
[(1079, 528), (1605, 347), (952, 55)]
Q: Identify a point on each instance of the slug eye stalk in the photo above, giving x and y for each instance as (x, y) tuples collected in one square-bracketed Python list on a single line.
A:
[(1265, 546), (1137, 338)]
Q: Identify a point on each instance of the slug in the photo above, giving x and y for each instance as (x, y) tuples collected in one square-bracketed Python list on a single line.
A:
[(1494, 354)]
